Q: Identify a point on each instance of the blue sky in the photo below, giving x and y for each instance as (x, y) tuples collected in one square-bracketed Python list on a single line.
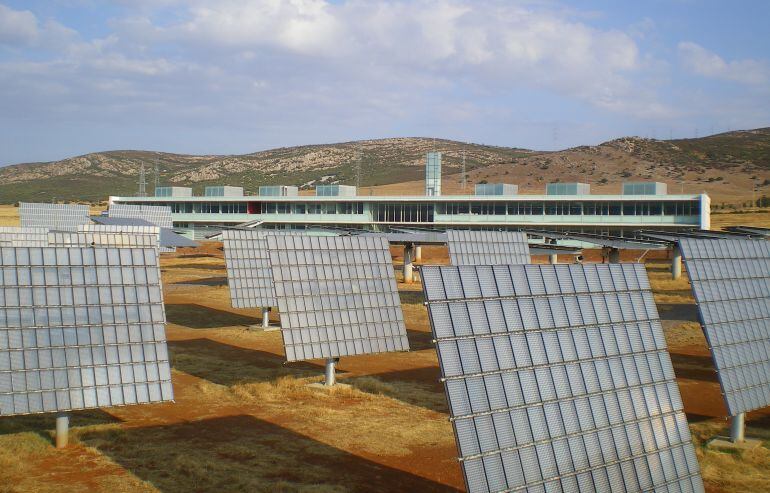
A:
[(238, 76)]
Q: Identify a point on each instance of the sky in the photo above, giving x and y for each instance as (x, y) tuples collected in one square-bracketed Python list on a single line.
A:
[(239, 76)]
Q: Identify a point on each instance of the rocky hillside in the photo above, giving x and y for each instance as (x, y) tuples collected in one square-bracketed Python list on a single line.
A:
[(727, 166)]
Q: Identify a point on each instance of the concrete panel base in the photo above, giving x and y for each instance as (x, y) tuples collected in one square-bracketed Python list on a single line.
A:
[(336, 386), (261, 328), (724, 443)]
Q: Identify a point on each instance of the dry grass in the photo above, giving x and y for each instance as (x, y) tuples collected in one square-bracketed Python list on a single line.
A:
[(9, 215), (733, 471), (759, 218)]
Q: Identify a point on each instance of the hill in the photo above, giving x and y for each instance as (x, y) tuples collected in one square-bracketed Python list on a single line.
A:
[(726, 166)]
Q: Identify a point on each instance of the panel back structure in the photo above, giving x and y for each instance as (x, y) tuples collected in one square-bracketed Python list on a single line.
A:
[(104, 239), (473, 247), (81, 328), (60, 217), (731, 284), (336, 296), (558, 379), (159, 215), (127, 231), (16, 236), (249, 273)]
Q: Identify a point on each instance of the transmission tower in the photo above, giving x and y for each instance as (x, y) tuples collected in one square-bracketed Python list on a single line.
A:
[(142, 183), (157, 173), (358, 171), (464, 181)]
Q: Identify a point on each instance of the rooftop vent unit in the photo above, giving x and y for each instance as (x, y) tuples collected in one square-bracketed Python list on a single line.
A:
[(335, 191), (496, 189), (173, 192), (278, 191), (567, 189), (645, 188), (223, 191)]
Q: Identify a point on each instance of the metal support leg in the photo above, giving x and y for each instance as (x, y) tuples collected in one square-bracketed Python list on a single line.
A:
[(418, 253), (265, 317), (330, 372), (737, 428), (553, 258), (408, 252), (62, 429), (614, 257), (676, 263)]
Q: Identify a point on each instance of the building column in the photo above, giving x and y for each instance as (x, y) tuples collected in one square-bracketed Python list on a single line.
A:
[(676, 262), (408, 267)]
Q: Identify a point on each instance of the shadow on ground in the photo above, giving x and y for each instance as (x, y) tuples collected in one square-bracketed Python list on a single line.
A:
[(44, 424), (694, 367), (678, 311), (203, 317), (224, 364), (207, 281), (243, 453)]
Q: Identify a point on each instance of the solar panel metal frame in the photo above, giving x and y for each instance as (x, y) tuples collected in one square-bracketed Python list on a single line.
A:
[(61, 217), (159, 215), (731, 283), (136, 230), (81, 328), (336, 296), (558, 379), (478, 247)]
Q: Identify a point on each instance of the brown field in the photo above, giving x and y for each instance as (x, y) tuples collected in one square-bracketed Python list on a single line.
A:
[(244, 420)]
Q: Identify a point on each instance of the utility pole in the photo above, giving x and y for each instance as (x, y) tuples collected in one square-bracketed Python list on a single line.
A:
[(157, 173), (142, 183)]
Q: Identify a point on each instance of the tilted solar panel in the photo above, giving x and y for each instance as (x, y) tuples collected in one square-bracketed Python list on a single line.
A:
[(103, 239), (81, 328), (159, 215), (126, 231), (248, 267), (60, 217), (472, 247), (558, 379), (731, 283), (336, 295)]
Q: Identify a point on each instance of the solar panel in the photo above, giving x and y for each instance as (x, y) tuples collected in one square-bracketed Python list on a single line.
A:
[(103, 239), (731, 283), (127, 231), (168, 238), (159, 215), (248, 267), (62, 217), (558, 379), (336, 296), (472, 247), (81, 328), (15, 236)]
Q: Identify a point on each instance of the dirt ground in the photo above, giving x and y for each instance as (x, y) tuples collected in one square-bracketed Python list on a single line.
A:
[(244, 420)]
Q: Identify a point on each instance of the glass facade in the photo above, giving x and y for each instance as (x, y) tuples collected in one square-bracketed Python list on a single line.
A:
[(433, 174)]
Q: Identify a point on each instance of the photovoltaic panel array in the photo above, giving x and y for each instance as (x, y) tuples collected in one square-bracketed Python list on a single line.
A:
[(15, 236), (731, 283), (81, 328), (60, 217), (336, 296), (471, 247), (558, 379), (249, 274), (159, 215)]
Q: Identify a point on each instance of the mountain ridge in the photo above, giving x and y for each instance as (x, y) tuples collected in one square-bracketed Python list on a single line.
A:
[(387, 162)]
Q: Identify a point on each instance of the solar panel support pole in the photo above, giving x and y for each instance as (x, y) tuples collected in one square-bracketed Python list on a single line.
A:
[(738, 428), (408, 267), (62, 429), (614, 256), (417, 253), (265, 317), (553, 258), (330, 379), (676, 262)]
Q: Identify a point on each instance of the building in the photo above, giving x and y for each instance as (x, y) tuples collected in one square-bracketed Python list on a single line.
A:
[(613, 214)]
